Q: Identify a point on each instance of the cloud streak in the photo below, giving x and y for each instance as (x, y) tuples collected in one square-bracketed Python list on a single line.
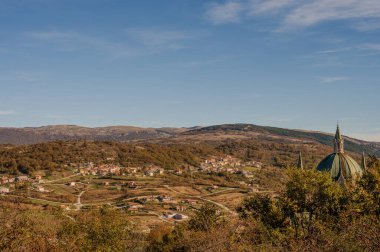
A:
[(316, 12), (133, 42), (370, 47), (72, 41), (229, 12), (293, 14), (7, 112), (256, 7), (158, 40), (332, 79)]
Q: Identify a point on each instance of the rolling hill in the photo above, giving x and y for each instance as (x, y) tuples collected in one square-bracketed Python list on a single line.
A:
[(289, 135), (21, 136)]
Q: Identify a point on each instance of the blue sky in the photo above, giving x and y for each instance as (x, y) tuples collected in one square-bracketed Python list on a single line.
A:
[(287, 63)]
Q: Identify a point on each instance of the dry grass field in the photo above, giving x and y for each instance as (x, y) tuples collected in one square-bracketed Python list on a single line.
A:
[(229, 199), (182, 194)]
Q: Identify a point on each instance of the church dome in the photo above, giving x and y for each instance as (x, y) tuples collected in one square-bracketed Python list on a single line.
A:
[(340, 165)]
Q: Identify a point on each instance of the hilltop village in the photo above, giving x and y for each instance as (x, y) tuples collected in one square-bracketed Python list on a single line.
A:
[(225, 164)]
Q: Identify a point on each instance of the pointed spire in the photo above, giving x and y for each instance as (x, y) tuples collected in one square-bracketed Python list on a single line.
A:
[(363, 163), (300, 161), (337, 134), (338, 141)]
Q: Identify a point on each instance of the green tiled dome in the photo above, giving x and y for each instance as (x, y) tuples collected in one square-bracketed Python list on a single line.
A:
[(340, 165)]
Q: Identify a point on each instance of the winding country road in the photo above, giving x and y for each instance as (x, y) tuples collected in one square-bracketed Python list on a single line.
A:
[(207, 200), (79, 205), (55, 180)]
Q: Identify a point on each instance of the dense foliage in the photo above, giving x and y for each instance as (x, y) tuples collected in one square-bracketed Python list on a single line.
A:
[(24, 229), (57, 155), (276, 154)]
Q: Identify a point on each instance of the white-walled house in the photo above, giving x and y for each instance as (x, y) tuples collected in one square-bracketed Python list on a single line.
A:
[(4, 190)]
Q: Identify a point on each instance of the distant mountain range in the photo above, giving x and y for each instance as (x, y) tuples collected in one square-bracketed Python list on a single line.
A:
[(283, 135), (19, 136), (71, 132)]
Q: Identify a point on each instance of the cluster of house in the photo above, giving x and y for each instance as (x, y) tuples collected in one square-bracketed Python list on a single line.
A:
[(8, 182), (153, 170), (101, 170), (222, 161), (111, 169), (227, 164), (168, 203), (39, 188), (214, 164), (137, 207), (156, 198)]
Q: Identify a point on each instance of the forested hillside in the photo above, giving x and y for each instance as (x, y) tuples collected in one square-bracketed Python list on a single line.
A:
[(281, 134), (57, 155), (21, 136)]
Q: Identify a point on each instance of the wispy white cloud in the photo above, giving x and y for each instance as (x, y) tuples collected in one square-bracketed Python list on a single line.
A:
[(343, 56), (229, 12), (206, 62), (314, 12), (367, 25), (7, 112), (72, 41), (23, 76), (370, 47), (55, 35), (331, 79), (330, 58), (334, 51), (363, 14), (256, 7), (233, 11), (148, 41), (158, 40)]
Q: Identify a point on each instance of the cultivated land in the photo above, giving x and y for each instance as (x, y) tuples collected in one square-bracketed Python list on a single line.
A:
[(148, 199)]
